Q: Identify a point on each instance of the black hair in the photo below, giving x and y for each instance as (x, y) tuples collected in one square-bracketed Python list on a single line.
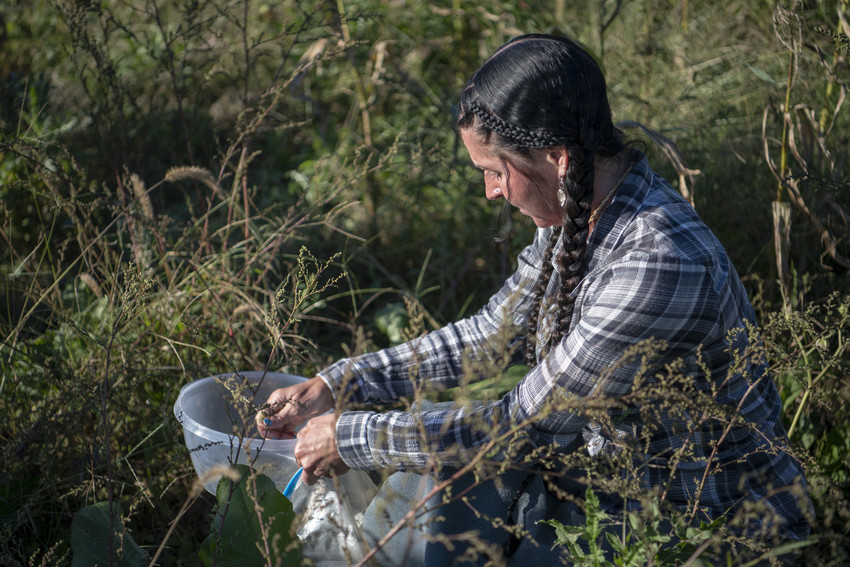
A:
[(543, 91)]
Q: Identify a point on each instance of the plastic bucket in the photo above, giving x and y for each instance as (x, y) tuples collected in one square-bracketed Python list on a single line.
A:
[(217, 414)]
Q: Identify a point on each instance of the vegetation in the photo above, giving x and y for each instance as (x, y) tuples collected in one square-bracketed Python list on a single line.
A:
[(196, 187)]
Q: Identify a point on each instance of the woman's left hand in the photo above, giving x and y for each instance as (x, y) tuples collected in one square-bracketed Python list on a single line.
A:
[(316, 449)]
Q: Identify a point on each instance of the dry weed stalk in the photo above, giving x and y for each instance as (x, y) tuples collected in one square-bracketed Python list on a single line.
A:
[(181, 173), (672, 153), (804, 138)]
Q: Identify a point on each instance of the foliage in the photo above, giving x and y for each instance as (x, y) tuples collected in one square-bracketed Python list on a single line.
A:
[(643, 544), (98, 538), (253, 524), (591, 533), (809, 349), (188, 188)]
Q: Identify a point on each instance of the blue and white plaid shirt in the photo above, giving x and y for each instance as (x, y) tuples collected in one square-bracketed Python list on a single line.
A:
[(655, 271)]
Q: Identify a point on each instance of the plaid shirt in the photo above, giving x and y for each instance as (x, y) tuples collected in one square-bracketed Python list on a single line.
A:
[(654, 271)]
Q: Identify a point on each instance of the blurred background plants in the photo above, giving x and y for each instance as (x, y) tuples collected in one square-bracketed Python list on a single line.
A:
[(172, 173)]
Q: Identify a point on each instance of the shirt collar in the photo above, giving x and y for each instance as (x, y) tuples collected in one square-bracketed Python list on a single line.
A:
[(620, 212)]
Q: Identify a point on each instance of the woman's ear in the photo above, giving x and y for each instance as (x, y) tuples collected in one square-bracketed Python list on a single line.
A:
[(559, 157)]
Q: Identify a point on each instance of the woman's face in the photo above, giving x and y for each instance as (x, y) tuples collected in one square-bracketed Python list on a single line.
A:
[(534, 192)]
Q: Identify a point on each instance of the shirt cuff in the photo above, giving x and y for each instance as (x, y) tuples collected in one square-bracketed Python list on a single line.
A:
[(343, 382), (352, 440)]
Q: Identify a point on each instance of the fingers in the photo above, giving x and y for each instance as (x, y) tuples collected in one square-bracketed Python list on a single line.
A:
[(313, 474), (310, 478), (287, 408), (276, 420), (277, 435), (316, 450), (281, 408)]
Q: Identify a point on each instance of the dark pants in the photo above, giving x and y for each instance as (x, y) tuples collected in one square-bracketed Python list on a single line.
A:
[(476, 522)]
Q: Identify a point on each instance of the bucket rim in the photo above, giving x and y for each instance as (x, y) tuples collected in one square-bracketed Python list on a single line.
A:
[(219, 437)]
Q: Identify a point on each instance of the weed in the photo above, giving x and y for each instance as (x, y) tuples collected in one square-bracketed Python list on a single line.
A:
[(195, 188)]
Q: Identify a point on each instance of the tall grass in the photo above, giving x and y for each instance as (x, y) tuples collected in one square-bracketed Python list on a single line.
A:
[(195, 188)]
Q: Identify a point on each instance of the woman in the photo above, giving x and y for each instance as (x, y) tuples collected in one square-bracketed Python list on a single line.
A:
[(620, 262)]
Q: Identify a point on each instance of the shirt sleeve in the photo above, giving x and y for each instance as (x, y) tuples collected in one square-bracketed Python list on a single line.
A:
[(639, 298), (440, 357)]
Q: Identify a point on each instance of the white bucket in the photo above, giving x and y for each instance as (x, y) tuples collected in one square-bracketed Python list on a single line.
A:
[(217, 414)]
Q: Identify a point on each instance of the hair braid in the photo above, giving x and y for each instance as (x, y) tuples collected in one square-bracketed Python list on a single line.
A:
[(522, 137), (571, 260), (578, 184), (539, 292)]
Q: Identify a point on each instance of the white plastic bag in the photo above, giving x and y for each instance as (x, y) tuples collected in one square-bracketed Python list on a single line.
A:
[(330, 516)]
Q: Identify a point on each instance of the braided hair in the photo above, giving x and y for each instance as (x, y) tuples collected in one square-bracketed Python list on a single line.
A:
[(537, 92)]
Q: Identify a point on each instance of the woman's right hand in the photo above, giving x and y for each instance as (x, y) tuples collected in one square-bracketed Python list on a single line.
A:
[(289, 407)]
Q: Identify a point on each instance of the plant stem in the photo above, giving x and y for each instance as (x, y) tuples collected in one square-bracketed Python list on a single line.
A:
[(786, 116), (810, 382), (358, 84)]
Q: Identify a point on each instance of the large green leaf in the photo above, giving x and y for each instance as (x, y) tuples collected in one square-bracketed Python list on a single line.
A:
[(392, 319), (239, 536), (92, 532)]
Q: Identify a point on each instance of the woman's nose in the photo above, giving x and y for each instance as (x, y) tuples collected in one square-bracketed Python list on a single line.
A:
[(493, 191)]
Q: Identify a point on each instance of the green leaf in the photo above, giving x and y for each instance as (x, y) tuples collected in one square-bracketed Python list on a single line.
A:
[(493, 388), (595, 516), (565, 535), (628, 555), (391, 320), (93, 532), (239, 536), (777, 551), (762, 74), (616, 543)]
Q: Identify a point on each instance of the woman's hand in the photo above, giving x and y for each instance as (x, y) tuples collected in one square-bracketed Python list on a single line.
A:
[(316, 449), (290, 407)]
